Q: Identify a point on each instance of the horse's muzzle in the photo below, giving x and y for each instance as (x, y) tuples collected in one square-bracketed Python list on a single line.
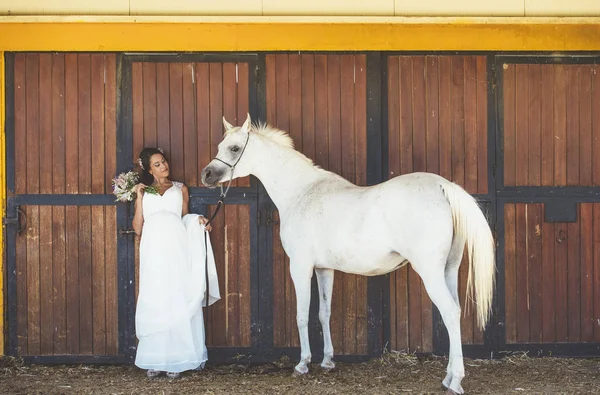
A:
[(211, 176)]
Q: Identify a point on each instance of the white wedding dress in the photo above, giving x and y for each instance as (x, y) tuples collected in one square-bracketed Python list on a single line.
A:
[(168, 319)]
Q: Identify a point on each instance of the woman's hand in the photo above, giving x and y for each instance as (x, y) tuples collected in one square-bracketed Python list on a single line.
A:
[(203, 221), (139, 191)]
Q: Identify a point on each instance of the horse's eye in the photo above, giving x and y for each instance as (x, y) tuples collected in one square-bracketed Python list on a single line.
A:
[(235, 148)]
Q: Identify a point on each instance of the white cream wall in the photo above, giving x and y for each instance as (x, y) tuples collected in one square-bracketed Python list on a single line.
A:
[(304, 7)]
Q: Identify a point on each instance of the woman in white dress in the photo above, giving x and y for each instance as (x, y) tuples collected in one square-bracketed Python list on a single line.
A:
[(168, 319)]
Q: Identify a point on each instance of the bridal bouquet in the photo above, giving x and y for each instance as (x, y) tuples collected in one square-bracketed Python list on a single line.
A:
[(124, 184)]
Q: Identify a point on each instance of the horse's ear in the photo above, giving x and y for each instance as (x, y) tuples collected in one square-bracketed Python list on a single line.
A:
[(227, 125), (246, 125)]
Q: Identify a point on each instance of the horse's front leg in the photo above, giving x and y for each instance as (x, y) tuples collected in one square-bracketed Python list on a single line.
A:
[(301, 276), (325, 281)]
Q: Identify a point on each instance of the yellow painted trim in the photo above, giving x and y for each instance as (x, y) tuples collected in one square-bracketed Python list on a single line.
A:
[(2, 194), (297, 33)]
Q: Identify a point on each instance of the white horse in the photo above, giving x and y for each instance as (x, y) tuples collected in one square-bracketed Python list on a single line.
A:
[(328, 223)]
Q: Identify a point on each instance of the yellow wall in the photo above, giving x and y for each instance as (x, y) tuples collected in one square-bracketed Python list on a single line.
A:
[(305, 7), (296, 33)]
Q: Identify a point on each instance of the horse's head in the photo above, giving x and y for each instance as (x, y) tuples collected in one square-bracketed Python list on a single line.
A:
[(229, 162)]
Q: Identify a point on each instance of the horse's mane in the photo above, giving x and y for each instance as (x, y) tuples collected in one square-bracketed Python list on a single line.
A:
[(278, 136)]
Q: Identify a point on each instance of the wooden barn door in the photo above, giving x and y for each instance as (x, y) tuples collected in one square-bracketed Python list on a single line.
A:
[(61, 218), (322, 101), (437, 122), (550, 211), (179, 106)]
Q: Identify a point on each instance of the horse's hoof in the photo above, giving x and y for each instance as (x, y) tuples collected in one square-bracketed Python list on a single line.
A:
[(297, 373), (450, 392), (328, 367)]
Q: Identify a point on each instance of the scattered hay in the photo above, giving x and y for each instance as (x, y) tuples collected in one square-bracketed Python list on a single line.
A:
[(394, 372)]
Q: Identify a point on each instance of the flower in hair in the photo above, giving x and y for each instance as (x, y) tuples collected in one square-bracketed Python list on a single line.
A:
[(161, 150), (140, 163)]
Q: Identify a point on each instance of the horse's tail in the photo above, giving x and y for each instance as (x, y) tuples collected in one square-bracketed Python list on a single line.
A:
[(470, 225)]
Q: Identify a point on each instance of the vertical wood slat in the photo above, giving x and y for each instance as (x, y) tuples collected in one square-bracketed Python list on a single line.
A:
[(32, 122), (176, 155), (470, 123), (98, 271), (573, 274), (149, 98), (509, 95), (586, 285), (572, 126), (21, 118), (45, 213), (85, 281), (232, 295), (45, 281), (244, 271), (163, 118), (84, 110), (72, 282), (548, 281), (189, 159), (111, 273), (33, 281), (110, 121), (560, 283), (97, 138), (510, 262), (59, 275), (202, 115), (534, 255), (481, 127), (458, 112), (138, 107)]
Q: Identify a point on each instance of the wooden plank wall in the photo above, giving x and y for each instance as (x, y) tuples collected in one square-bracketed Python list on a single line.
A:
[(321, 101), (65, 113), (67, 281), (179, 107), (542, 105), (65, 143), (437, 122), (552, 275)]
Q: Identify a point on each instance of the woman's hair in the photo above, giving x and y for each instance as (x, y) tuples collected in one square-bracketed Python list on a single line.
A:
[(144, 163)]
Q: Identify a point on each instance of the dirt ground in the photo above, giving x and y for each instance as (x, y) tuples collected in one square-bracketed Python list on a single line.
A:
[(390, 374)]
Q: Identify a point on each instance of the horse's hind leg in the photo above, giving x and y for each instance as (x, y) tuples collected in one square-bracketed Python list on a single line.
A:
[(435, 284), (301, 276), (325, 282), (451, 276), (453, 265)]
